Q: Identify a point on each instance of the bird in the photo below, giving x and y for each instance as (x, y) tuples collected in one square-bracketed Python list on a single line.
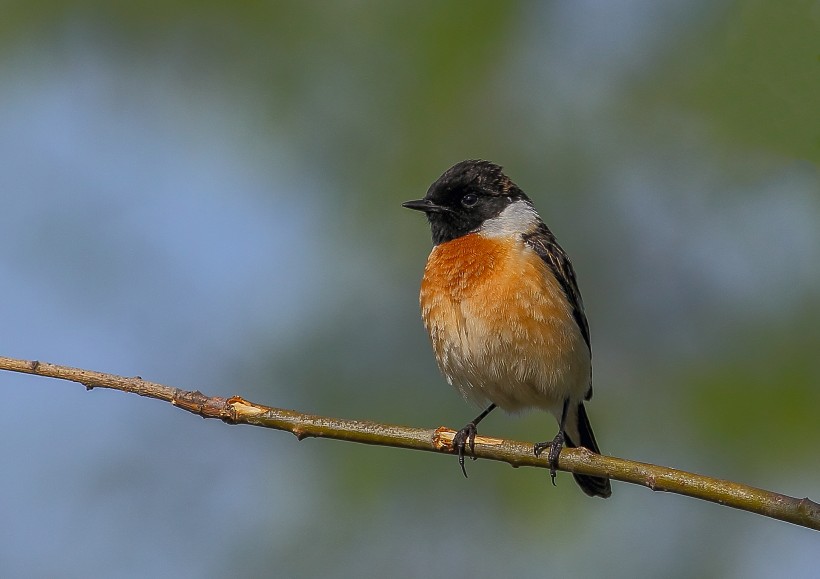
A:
[(500, 302)]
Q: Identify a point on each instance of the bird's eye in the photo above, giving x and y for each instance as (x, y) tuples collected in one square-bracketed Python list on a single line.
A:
[(469, 200)]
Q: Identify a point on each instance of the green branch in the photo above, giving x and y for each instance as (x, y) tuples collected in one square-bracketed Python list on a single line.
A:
[(236, 410)]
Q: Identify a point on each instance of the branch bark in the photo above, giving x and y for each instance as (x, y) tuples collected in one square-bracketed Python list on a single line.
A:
[(236, 410)]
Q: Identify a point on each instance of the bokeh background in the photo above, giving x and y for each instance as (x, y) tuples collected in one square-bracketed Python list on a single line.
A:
[(207, 195)]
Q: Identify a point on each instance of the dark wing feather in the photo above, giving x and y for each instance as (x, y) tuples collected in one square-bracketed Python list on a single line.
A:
[(543, 242)]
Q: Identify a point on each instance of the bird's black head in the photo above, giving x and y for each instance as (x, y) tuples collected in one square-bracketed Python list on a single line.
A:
[(464, 197)]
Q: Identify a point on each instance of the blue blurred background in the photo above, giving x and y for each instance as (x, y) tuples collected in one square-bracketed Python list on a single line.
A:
[(208, 195)]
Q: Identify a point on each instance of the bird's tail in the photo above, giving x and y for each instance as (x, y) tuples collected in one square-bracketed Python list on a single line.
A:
[(578, 432)]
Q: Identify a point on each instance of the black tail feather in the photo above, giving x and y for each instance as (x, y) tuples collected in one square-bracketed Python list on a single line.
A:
[(592, 485)]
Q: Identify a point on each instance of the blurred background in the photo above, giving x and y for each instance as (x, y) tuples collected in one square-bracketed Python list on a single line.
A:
[(208, 194)]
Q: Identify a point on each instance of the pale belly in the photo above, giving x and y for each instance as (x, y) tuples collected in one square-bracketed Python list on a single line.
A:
[(501, 329)]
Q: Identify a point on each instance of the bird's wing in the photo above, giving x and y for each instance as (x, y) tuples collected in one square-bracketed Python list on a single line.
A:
[(545, 245)]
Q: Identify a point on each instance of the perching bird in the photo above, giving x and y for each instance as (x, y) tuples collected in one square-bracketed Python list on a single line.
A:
[(502, 307)]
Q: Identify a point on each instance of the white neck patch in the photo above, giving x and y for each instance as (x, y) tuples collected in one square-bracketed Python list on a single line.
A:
[(516, 219)]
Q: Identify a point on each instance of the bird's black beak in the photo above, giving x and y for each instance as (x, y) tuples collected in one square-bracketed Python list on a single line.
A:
[(423, 205)]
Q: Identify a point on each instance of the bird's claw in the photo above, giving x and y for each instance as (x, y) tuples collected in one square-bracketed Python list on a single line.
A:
[(463, 439), (555, 447)]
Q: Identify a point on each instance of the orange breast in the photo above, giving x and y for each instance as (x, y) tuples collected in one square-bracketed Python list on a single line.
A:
[(501, 328), (464, 266)]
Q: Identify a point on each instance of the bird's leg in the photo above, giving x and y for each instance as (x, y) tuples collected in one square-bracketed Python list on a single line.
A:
[(465, 437), (555, 445)]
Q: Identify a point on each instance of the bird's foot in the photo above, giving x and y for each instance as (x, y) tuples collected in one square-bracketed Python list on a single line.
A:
[(555, 447), (463, 439)]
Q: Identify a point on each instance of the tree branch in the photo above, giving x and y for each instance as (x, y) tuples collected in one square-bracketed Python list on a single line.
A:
[(236, 410)]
